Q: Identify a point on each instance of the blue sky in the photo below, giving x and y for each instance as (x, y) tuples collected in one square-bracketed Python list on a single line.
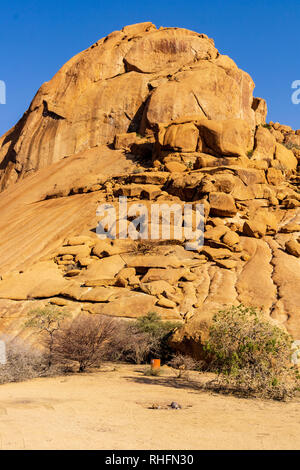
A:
[(38, 37)]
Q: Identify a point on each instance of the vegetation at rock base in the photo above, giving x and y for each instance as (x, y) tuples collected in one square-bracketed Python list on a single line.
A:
[(154, 325), (47, 320), (146, 337), (86, 340), (89, 340), (22, 362), (251, 355), (184, 363)]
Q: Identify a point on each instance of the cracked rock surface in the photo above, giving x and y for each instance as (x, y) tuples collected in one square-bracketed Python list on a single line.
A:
[(161, 117)]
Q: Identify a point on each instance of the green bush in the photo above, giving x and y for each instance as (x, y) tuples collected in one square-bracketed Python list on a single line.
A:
[(146, 338), (251, 354), (291, 146), (154, 325)]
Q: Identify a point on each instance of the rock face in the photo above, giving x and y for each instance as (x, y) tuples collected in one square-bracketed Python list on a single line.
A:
[(158, 116), (129, 81)]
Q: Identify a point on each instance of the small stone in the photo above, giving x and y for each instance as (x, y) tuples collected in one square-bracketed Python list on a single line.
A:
[(293, 248), (175, 405), (227, 263), (231, 238), (290, 228), (175, 167), (254, 229), (73, 272)]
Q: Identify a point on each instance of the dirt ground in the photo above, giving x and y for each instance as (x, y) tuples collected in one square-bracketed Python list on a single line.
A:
[(111, 409)]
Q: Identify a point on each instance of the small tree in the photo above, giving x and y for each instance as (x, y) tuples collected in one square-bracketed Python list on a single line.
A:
[(47, 320), (251, 354), (86, 340)]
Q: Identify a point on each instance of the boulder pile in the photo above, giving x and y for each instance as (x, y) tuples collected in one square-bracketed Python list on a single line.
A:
[(161, 117)]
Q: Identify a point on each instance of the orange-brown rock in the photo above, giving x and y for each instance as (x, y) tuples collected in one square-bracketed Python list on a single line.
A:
[(265, 145), (222, 204), (187, 130), (285, 158), (293, 247), (182, 137), (127, 82), (226, 137), (259, 106)]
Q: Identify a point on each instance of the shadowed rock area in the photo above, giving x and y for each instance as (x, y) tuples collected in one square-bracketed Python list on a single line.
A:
[(158, 116)]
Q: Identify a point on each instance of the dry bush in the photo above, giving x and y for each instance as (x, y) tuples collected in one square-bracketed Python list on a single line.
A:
[(86, 340), (127, 344), (251, 355), (183, 364), (23, 362), (138, 345), (130, 342)]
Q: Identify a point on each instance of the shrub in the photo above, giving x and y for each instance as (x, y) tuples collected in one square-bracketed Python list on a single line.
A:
[(250, 354), (86, 340), (154, 325), (291, 146), (138, 346), (152, 372), (23, 362), (267, 126), (158, 331), (183, 364), (145, 338)]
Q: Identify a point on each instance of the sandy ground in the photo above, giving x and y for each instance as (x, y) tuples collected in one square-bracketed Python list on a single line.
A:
[(110, 409)]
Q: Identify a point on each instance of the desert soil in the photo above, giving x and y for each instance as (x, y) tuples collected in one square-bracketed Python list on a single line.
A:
[(111, 409)]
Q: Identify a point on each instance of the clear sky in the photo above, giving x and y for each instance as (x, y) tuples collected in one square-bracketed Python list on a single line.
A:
[(38, 37)]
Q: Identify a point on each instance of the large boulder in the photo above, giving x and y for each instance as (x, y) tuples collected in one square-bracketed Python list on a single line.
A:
[(285, 158), (265, 145), (216, 95), (227, 137), (260, 108), (222, 205), (182, 137), (43, 280), (127, 82), (169, 47)]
